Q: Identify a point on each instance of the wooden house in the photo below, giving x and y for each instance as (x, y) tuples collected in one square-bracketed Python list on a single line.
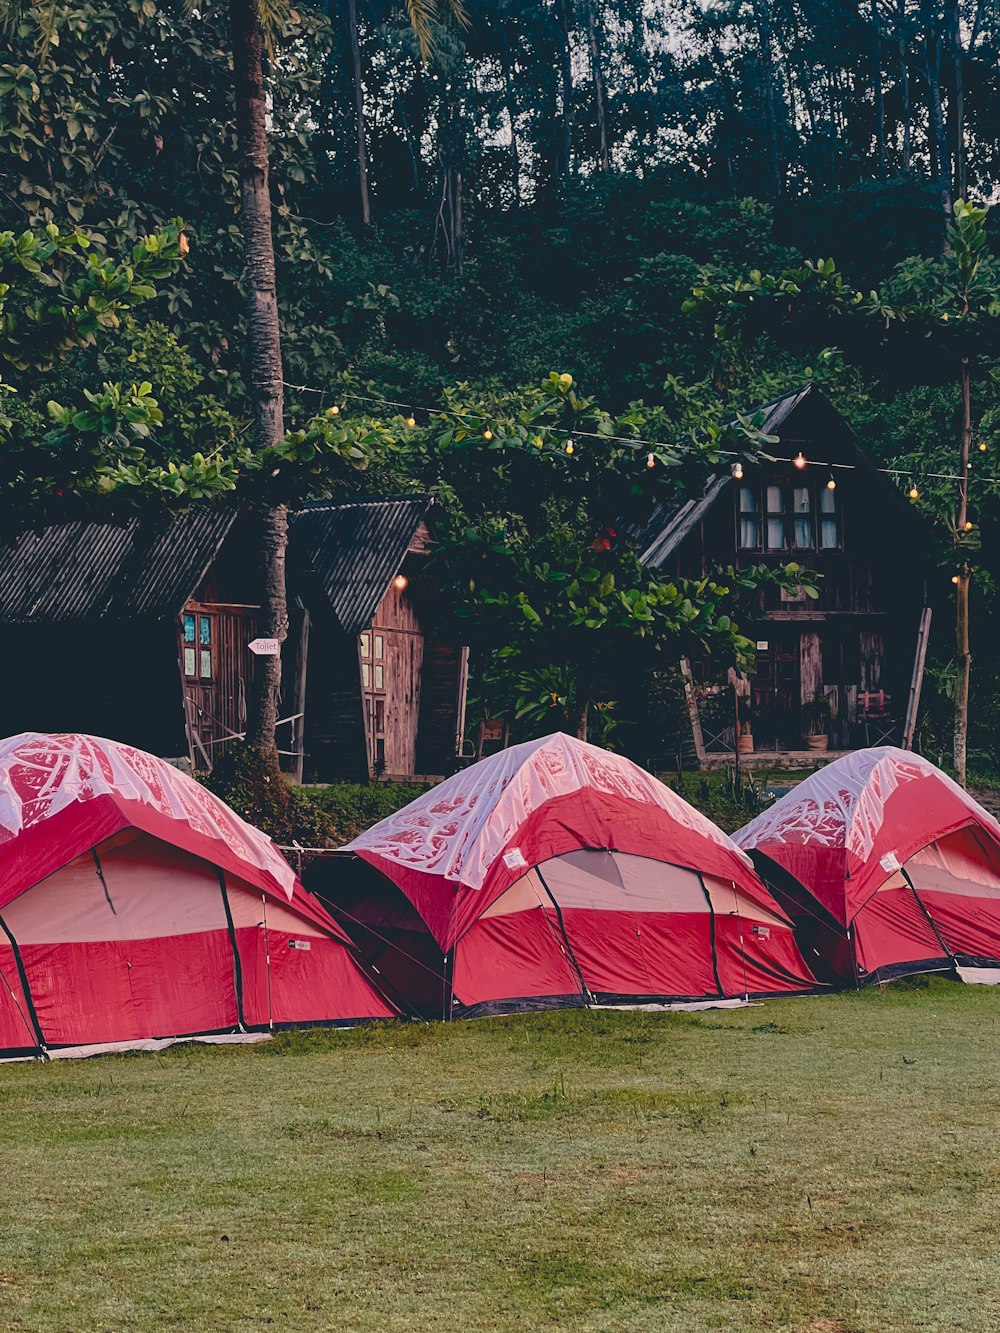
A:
[(860, 645), (386, 686), (140, 632)]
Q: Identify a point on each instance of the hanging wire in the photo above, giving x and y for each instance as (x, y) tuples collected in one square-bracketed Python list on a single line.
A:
[(476, 419)]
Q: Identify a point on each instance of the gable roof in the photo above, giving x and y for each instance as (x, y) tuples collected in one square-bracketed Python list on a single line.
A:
[(667, 529), (70, 572), (355, 549)]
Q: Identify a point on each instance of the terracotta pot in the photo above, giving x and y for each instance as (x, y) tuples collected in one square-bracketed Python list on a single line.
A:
[(817, 742), (744, 744)]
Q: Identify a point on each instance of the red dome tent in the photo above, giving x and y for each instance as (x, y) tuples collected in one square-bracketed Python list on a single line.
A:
[(555, 873), (886, 866), (135, 906)]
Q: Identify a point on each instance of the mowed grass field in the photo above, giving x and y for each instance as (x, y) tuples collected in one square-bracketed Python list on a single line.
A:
[(817, 1164)]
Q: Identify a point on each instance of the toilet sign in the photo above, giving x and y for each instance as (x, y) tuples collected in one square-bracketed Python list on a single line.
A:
[(264, 647)]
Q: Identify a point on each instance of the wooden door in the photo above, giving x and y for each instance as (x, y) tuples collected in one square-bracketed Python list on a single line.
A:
[(776, 690), (217, 670)]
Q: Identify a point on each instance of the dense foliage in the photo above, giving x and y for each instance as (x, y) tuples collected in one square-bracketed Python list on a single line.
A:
[(544, 192)]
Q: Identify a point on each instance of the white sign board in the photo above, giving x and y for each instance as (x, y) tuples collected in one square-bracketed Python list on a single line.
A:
[(264, 647)]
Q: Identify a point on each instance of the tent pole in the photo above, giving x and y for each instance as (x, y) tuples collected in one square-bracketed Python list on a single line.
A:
[(237, 964), (715, 952), (588, 997), (267, 965), (19, 964)]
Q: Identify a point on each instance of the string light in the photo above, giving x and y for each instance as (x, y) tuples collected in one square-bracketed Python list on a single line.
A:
[(650, 460), (487, 434), (635, 441), (335, 411), (738, 471), (411, 421), (969, 525), (956, 578), (913, 493), (569, 446), (400, 582), (831, 485)]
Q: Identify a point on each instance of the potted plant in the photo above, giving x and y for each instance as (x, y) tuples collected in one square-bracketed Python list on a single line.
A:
[(816, 713)]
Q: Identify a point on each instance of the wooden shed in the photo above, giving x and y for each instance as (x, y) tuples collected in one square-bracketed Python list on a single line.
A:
[(139, 631), (860, 646), (386, 687)]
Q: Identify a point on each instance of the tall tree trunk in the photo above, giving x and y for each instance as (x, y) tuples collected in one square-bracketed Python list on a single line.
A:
[(940, 166), (566, 81), (600, 94), (904, 90), (958, 111), (583, 689), (359, 111), (510, 96), (266, 376), (449, 222), (765, 40), (879, 93), (962, 652), (411, 147)]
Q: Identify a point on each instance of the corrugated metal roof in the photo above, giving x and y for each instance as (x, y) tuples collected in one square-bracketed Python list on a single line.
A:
[(355, 549), (667, 529), (102, 571)]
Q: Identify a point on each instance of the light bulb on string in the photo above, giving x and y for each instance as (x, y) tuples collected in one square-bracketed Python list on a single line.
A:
[(400, 582), (831, 485), (955, 578), (982, 446), (738, 471), (487, 434), (335, 411), (411, 421), (913, 493), (969, 525), (569, 446), (650, 460), (800, 461)]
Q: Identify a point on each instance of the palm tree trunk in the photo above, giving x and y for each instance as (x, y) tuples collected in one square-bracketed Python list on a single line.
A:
[(359, 111), (963, 654), (266, 377)]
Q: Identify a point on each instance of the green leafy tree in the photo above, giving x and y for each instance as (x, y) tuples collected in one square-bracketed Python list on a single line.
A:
[(545, 499), (955, 304)]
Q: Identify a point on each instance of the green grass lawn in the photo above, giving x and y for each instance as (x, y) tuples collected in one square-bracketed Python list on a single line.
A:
[(816, 1164)]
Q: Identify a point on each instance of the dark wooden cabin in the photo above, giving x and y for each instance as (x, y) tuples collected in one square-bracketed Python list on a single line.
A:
[(386, 686), (861, 644), (140, 632)]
